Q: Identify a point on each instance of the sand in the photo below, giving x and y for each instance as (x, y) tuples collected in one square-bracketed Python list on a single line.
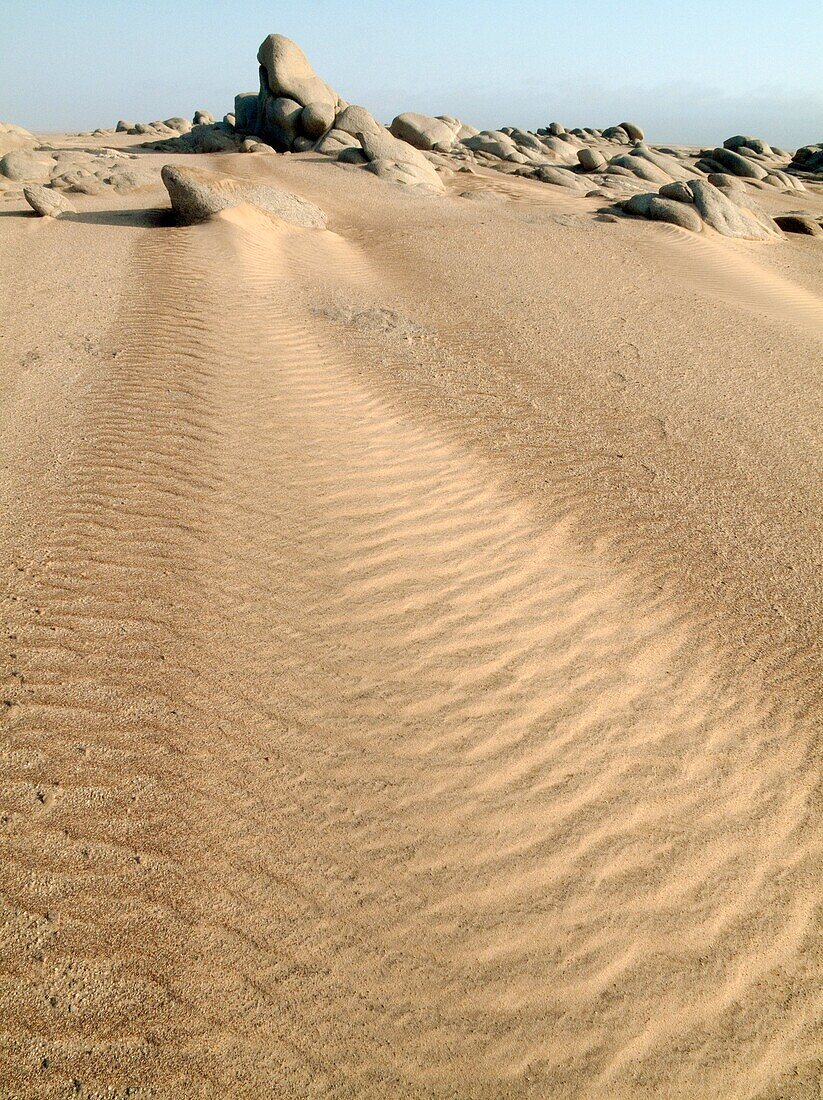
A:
[(411, 645)]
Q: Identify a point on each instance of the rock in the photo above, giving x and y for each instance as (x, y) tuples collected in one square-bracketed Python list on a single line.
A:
[(664, 210), (616, 133), (352, 156), (356, 120), (230, 119), (281, 121), (197, 194), (403, 172), (783, 180), (727, 217), (556, 129), (79, 181), (560, 177), (387, 149), (737, 165), (494, 143), (203, 118), (15, 137), (316, 118), (809, 158), (634, 131), (423, 131), (124, 127), (677, 191), (799, 223), (591, 160), (126, 180), (23, 164), (640, 167), (288, 73), (755, 144), (332, 143), (46, 202), (178, 123), (245, 112)]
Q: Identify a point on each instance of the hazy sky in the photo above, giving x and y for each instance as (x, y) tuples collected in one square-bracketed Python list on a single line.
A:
[(691, 72)]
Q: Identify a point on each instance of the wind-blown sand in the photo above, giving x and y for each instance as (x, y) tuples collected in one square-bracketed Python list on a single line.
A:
[(412, 650)]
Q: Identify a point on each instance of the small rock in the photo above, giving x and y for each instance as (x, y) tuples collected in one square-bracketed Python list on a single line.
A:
[(47, 202)]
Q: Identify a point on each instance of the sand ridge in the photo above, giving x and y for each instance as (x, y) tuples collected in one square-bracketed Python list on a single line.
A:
[(335, 765)]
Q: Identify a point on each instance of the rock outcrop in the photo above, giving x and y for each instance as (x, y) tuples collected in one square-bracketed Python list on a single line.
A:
[(47, 203), (197, 194), (15, 137)]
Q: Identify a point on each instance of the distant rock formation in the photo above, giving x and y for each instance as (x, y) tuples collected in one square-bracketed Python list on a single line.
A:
[(15, 137)]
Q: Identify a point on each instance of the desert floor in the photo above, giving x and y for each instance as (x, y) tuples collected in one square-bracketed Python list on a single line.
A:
[(411, 649)]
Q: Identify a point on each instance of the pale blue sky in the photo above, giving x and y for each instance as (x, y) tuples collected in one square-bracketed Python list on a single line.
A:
[(695, 71)]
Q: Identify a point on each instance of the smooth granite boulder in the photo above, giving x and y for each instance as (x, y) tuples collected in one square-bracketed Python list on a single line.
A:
[(197, 194)]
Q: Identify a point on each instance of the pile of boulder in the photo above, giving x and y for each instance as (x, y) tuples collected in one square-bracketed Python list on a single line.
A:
[(808, 160), (296, 111), (31, 170)]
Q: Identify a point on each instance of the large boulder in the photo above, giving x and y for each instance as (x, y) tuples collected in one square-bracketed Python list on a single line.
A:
[(591, 160), (245, 112), (393, 159), (738, 165), (197, 194), (633, 130), (809, 158), (560, 177), (730, 217), (757, 145), (423, 131), (24, 164), (664, 209), (355, 120), (288, 73), (15, 137), (316, 118), (47, 202)]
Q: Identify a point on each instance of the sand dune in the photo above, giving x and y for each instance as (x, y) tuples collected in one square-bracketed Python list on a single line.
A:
[(393, 706)]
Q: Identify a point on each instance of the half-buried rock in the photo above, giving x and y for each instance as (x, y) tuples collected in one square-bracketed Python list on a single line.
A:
[(46, 202), (196, 194)]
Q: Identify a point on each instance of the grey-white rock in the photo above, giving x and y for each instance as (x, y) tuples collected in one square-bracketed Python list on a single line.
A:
[(387, 149), (24, 164), (633, 130), (664, 210), (753, 143), (677, 191), (178, 123), (729, 218), (356, 120), (332, 143), (738, 165), (560, 177), (423, 131), (203, 118), (316, 118), (640, 167), (591, 160), (289, 74), (197, 194), (47, 202), (124, 127)]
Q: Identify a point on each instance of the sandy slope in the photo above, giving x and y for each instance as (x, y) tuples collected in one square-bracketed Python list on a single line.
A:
[(411, 653)]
